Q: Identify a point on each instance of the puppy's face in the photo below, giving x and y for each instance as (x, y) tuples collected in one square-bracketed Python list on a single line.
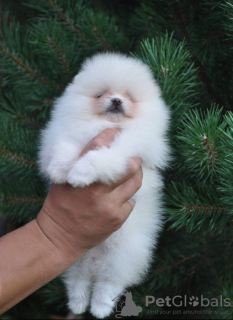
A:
[(114, 106), (113, 87)]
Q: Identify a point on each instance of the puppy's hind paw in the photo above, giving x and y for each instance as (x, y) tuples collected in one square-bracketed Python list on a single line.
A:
[(103, 298), (78, 305), (79, 296), (101, 309)]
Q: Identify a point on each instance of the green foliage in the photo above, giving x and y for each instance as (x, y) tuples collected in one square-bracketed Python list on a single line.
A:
[(199, 147), (226, 167), (170, 64), (188, 46), (196, 207)]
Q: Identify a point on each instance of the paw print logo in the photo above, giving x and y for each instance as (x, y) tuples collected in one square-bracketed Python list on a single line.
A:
[(193, 301)]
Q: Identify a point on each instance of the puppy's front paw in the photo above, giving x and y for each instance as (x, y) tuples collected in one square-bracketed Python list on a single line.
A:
[(82, 174), (62, 156), (102, 165), (56, 173)]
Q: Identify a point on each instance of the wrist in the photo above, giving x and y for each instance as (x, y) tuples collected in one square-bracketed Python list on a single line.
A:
[(29, 260), (59, 239), (53, 253)]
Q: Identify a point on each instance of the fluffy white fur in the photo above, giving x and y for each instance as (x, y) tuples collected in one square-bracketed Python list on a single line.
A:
[(79, 115)]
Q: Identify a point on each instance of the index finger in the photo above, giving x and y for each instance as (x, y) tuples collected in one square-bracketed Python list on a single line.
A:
[(103, 139), (133, 167)]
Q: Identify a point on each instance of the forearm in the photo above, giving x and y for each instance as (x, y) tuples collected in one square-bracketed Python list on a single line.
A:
[(28, 260), (71, 222)]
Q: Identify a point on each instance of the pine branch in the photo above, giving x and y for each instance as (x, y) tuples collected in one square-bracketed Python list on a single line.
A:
[(23, 65), (209, 148), (196, 207), (28, 121), (27, 68), (204, 77), (67, 20), (210, 265), (48, 102), (199, 143), (13, 157), (228, 246), (6, 200), (217, 36), (175, 74), (102, 40), (104, 8), (160, 270), (207, 208), (61, 56)]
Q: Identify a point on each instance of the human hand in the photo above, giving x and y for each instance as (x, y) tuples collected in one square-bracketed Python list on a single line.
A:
[(77, 219)]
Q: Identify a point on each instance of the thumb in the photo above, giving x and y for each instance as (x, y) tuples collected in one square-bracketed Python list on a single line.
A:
[(103, 139)]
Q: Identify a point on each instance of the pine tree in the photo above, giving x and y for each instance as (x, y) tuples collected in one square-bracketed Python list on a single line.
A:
[(188, 46)]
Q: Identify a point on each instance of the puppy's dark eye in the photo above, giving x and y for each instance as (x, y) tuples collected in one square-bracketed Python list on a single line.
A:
[(100, 95), (130, 97)]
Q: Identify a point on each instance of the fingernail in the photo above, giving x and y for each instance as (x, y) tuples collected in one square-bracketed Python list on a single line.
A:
[(133, 202)]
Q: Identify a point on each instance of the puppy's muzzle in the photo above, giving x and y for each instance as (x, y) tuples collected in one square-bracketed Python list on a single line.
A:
[(116, 106)]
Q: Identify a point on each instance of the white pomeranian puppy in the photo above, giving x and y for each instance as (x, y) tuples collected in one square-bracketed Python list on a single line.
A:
[(111, 90)]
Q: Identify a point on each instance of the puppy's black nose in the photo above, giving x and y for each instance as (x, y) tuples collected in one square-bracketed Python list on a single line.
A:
[(116, 106), (116, 101)]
